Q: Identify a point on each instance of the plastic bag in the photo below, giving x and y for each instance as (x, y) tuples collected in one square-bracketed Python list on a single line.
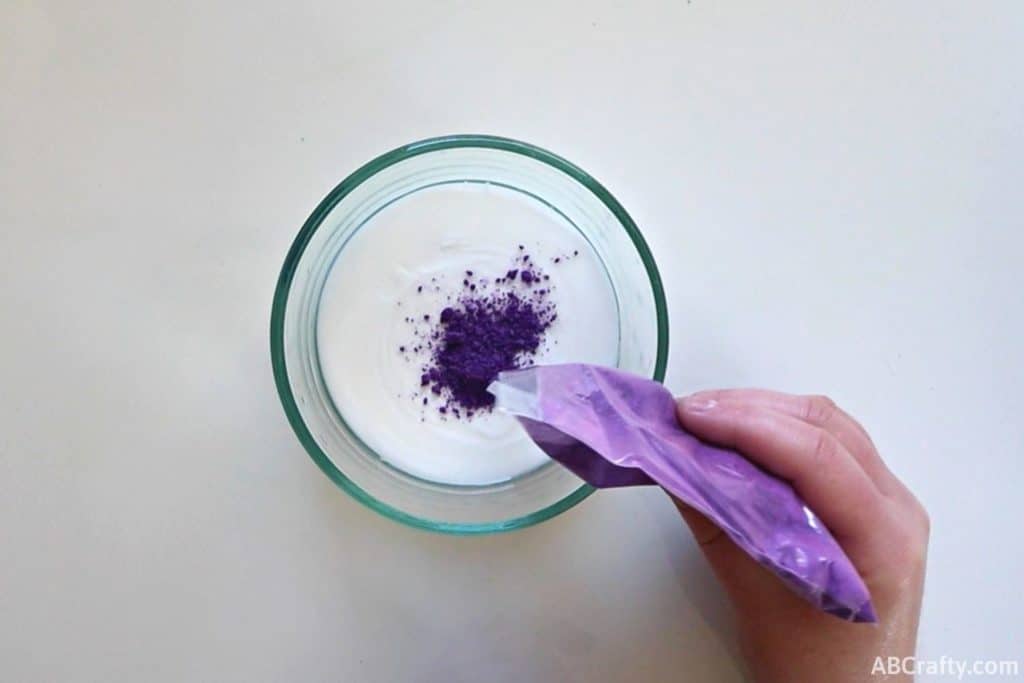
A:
[(615, 429)]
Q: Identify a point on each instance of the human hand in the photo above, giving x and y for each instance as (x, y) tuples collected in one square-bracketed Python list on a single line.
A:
[(833, 465)]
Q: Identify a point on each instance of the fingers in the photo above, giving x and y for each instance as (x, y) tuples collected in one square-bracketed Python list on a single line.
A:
[(705, 532), (820, 412), (752, 586), (821, 469)]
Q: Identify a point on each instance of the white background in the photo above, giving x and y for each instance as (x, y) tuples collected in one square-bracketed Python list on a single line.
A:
[(833, 191)]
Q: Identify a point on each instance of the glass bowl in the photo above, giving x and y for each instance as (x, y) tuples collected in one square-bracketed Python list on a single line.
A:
[(351, 207)]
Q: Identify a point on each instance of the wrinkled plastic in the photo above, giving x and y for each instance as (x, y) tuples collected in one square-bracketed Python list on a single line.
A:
[(615, 429)]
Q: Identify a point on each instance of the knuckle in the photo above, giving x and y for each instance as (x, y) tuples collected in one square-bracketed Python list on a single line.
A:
[(924, 520), (914, 533), (910, 554), (917, 548), (914, 512), (825, 449), (819, 410)]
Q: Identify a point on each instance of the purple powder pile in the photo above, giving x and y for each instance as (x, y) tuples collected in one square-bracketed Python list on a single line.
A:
[(479, 338), (492, 324)]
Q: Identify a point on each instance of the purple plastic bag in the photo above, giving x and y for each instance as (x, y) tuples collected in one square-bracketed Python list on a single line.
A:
[(615, 429)]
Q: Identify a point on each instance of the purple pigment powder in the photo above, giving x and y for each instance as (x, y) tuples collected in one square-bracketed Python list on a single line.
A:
[(478, 338), (492, 324)]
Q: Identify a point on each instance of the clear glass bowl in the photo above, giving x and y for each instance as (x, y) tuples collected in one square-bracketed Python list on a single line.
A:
[(643, 324)]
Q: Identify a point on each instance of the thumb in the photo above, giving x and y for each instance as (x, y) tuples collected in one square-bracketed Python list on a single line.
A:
[(705, 532), (752, 587), (737, 571)]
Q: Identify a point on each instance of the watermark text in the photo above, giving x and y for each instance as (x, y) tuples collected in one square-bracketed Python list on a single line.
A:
[(958, 669)]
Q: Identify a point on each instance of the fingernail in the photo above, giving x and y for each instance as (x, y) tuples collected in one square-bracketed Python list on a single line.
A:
[(698, 404)]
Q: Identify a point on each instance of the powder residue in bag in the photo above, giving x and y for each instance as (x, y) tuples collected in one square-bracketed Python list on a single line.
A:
[(612, 428)]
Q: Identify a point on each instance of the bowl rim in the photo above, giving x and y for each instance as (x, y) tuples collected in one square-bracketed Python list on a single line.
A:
[(310, 227)]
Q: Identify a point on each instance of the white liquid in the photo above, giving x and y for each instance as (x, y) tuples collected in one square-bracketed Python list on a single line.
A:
[(440, 233)]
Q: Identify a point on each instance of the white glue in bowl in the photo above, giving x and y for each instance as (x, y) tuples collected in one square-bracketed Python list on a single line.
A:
[(386, 247)]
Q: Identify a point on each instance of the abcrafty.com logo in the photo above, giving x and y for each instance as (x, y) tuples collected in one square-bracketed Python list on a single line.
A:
[(945, 666)]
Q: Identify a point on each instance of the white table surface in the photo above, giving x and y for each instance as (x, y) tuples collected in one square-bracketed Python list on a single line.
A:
[(833, 191)]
